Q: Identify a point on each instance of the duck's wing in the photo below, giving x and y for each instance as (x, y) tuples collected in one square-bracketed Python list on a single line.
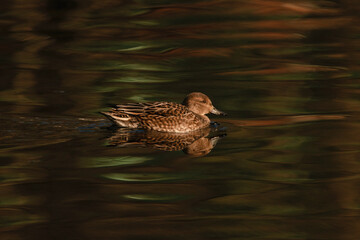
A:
[(154, 108)]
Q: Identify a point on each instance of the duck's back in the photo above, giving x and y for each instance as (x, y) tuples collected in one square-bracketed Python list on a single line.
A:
[(159, 116)]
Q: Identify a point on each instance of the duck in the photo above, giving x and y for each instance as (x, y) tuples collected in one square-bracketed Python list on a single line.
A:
[(188, 116)]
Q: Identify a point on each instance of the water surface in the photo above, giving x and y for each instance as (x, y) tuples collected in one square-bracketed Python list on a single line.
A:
[(286, 72)]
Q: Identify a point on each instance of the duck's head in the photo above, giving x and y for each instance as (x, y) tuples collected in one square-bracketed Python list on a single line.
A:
[(201, 104)]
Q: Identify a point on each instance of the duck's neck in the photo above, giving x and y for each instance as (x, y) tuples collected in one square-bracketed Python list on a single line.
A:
[(205, 118)]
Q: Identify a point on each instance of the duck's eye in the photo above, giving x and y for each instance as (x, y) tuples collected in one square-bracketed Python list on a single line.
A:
[(203, 101)]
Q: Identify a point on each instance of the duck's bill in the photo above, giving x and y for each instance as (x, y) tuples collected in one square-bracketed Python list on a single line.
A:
[(217, 112)]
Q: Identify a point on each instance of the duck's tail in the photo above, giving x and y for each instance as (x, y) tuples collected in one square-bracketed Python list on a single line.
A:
[(122, 120)]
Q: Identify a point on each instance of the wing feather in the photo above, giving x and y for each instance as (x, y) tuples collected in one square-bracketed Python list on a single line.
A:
[(165, 109)]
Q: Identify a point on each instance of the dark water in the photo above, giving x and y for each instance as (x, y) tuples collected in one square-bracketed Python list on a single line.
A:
[(286, 72)]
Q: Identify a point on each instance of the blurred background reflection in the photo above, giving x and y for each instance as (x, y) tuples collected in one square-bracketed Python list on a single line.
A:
[(285, 71)]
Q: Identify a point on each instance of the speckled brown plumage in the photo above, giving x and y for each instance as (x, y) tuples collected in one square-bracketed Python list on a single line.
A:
[(165, 116)]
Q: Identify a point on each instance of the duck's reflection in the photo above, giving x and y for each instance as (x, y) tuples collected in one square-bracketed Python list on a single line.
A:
[(196, 143)]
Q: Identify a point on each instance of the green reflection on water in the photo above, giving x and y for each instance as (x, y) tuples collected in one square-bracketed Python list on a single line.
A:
[(254, 58), (113, 161), (154, 197), (110, 46), (117, 65), (138, 177), (139, 80)]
